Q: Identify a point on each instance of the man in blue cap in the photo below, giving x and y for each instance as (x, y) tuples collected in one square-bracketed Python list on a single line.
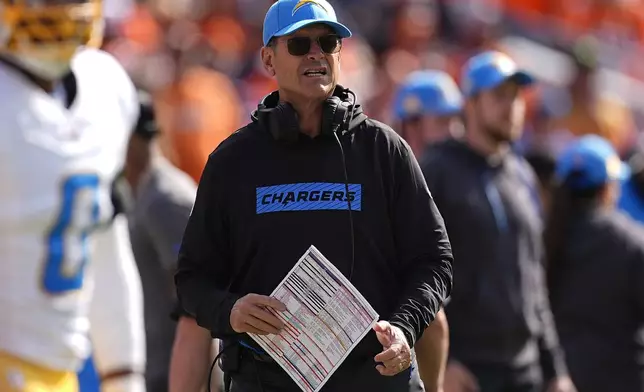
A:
[(312, 169), (502, 336), (426, 108), (595, 259), (302, 43)]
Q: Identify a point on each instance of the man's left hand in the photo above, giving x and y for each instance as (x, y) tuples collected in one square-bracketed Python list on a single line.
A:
[(561, 384), (396, 354)]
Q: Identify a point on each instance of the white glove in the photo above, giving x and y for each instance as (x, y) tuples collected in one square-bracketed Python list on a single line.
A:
[(127, 383)]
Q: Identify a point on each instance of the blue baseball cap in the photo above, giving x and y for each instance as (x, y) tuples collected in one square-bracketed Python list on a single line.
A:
[(589, 162), (488, 70), (286, 16), (427, 92)]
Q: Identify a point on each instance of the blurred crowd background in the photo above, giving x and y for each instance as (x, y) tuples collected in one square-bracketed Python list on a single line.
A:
[(199, 59)]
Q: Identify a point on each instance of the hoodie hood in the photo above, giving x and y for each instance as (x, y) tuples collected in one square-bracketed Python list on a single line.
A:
[(346, 95)]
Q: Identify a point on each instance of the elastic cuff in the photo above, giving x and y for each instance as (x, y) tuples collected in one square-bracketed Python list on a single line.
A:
[(409, 333), (221, 322)]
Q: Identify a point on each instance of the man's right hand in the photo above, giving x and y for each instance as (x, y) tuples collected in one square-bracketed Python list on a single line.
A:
[(459, 379), (252, 314)]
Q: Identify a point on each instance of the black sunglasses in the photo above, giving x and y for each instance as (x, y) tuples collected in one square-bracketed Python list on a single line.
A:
[(301, 46)]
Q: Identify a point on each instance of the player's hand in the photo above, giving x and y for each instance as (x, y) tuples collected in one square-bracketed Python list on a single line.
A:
[(396, 354), (561, 384), (252, 314), (459, 379)]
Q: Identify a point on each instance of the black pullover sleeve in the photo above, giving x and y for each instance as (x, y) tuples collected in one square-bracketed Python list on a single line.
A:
[(204, 266), (422, 246), (551, 353)]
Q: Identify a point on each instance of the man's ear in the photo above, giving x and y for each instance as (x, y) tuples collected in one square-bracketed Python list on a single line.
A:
[(268, 55)]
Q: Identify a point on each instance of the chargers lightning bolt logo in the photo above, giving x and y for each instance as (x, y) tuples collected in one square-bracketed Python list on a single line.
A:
[(302, 3)]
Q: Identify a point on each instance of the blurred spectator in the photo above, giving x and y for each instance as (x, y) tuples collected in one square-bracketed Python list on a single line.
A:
[(618, 22), (583, 110), (486, 194), (527, 12), (426, 107), (197, 112), (595, 259), (172, 58), (163, 198)]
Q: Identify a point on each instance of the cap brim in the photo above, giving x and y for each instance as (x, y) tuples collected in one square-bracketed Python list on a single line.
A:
[(340, 29), (522, 78)]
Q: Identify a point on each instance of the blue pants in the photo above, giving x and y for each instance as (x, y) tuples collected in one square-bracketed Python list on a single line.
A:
[(88, 380)]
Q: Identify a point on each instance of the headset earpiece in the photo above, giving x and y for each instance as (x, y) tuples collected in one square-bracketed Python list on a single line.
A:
[(280, 121), (263, 116), (334, 115), (284, 123)]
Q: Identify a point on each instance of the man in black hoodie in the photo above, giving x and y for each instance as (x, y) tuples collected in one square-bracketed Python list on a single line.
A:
[(502, 335), (311, 168)]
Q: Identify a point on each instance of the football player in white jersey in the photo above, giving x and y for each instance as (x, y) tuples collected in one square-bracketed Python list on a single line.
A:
[(62, 142)]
